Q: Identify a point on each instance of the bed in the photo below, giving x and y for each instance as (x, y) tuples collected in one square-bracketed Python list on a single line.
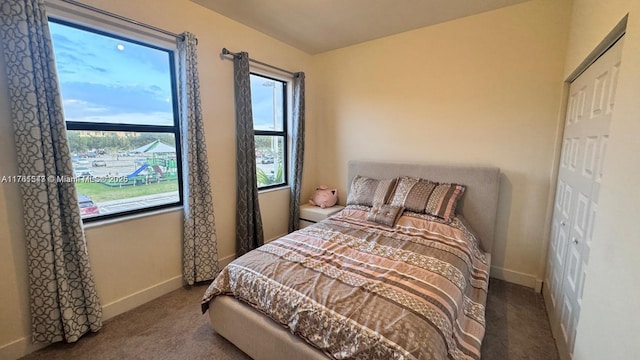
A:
[(414, 290)]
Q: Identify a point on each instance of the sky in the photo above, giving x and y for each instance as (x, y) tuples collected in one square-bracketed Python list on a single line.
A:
[(104, 79), (262, 96)]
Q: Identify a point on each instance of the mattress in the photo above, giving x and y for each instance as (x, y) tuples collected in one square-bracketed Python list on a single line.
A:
[(351, 288)]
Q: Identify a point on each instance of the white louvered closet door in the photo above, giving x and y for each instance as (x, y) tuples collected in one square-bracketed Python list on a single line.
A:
[(584, 144)]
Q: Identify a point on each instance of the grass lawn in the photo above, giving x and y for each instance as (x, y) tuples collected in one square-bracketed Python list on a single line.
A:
[(99, 192)]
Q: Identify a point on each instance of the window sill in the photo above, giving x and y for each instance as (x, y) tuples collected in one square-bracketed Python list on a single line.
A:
[(100, 223), (280, 188)]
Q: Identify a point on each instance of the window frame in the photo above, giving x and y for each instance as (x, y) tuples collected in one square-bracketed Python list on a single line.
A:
[(169, 129), (281, 133)]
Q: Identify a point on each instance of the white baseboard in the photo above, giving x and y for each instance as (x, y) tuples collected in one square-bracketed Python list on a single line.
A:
[(141, 297), (528, 280), (274, 238), (225, 261), (222, 262), (538, 287), (23, 346), (19, 348)]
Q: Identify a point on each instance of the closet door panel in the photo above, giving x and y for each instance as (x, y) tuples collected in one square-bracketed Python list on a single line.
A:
[(580, 174)]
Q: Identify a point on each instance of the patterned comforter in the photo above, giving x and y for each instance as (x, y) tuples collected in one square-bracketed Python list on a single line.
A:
[(356, 289)]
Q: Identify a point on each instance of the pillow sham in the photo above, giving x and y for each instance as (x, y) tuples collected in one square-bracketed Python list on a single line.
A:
[(385, 214), (424, 196), (370, 192)]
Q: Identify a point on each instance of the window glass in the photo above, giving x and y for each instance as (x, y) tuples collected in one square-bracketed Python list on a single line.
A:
[(118, 101), (268, 100), (110, 80), (270, 157)]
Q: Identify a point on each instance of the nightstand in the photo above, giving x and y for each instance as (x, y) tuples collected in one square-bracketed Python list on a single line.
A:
[(310, 214)]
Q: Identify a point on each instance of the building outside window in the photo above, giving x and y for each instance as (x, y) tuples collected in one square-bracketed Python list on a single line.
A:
[(269, 105), (120, 107)]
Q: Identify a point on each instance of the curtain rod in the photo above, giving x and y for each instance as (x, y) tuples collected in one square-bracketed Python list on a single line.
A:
[(225, 51), (119, 17)]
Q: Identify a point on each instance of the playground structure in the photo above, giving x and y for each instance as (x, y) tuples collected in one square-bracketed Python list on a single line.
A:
[(149, 171), (159, 164)]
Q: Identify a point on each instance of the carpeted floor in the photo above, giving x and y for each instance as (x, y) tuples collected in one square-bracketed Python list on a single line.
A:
[(171, 327), (517, 325)]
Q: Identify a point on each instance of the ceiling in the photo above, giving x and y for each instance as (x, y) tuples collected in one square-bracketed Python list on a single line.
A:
[(316, 26)]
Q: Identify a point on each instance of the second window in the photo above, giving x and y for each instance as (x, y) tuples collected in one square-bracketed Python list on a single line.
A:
[(269, 105)]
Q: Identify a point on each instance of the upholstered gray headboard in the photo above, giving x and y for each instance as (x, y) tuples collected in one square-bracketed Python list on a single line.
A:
[(479, 204)]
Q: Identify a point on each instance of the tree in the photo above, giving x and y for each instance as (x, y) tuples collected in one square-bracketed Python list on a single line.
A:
[(77, 143), (263, 144), (266, 180)]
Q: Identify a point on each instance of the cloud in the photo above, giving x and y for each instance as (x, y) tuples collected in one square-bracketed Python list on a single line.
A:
[(62, 42), (84, 56), (262, 113), (114, 99), (146, 57), (262, 104), (71, 63), (158, 118), (98, 69), (65, 43), (75, 107), (99, 83)]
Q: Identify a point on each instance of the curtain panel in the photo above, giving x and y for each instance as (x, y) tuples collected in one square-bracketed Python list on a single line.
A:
[(200, 245), (297, 151), (64, 302), (249, 234)]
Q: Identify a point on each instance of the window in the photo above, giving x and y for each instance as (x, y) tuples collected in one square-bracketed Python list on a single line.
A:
[(119, 102), (269, 105)]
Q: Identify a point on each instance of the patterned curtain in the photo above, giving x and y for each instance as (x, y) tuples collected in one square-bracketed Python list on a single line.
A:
[(200, 244), (248, 220), (297, 151), (64, 302)]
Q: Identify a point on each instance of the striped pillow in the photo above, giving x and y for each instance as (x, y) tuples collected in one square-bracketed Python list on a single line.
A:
[(424, 196), (369, 192)]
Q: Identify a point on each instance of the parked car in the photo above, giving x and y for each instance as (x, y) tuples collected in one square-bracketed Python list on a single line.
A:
[(83, 171), (87, 206), (98, 163), (267, 159), (83, 163), (92, 154)]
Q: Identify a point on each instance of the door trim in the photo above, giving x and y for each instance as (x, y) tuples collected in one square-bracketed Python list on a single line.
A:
[(614, 35)]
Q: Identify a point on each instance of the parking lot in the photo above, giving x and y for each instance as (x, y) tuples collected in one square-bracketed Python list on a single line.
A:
[(267, 168), (115, 166)]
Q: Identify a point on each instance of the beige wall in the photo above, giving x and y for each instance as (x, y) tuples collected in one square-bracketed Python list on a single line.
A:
[(591, 21), (609, 321), (136, 260), (484, 89)]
